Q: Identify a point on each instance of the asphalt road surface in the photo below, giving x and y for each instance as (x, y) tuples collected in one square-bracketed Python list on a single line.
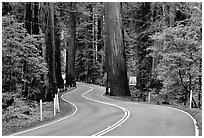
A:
[(96, 115)]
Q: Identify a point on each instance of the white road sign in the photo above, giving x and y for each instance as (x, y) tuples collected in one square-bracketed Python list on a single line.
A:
[(132, 80)]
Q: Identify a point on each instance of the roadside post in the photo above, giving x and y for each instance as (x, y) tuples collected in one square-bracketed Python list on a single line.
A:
[(55, 105), (57, 97), (149, 97), (191, 95), (40, 110)]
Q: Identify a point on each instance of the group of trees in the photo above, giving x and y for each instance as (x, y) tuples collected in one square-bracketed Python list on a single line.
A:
[(101, 43), (177, 48)]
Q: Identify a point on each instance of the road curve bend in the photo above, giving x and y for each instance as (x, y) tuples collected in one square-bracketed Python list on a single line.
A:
[(95, 115)]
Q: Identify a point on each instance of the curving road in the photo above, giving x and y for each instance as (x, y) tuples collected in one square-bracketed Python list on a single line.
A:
[(95, 115)]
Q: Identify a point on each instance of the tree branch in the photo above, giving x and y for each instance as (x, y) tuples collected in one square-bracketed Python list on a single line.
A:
[(182, 83)]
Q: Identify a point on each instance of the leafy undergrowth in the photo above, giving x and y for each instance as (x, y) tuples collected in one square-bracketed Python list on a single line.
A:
[(195, 113), (22, 115)]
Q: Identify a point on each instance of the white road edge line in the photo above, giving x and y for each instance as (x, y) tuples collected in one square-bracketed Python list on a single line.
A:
[(115, 125), (194, 121), (76, 109)]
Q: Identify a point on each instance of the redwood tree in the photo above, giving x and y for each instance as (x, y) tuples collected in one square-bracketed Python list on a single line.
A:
[(28, 17), (70, 54), (50, 51), (115, 50), (31, 17), (57, 31)]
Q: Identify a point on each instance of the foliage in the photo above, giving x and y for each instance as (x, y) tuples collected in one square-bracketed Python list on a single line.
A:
[(17, 48), (179, 50), (137, 24), (87, 68)]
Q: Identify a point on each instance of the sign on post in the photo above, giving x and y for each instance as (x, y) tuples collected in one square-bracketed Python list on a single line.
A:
[(132, 80)]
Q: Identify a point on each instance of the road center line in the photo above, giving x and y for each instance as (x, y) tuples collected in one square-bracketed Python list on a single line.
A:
[(115, 125)]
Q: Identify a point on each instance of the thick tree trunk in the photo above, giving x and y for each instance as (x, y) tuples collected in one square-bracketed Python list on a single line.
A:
[(28, 17), (50, 53), (107, 84), (200, 84), (60, 81), (199, 93), (66, 68), (31, 18), (35, 25), (115, 50), (71, 51)]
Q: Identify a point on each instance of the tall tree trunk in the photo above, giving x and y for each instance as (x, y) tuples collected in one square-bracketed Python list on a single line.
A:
[(24, 78), (115, 55), (70, 77), (66, 68), (96, 37), (60, 81), (200, 84), (93, 34), (28, 17), (50, 53), (199, 93), (35, 25), (31, 18)]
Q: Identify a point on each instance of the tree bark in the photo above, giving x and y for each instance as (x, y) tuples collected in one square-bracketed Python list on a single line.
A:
[(28, 17), (31, 18), (70, 77), (50, 47), (60, 81), (115, 50), (35, 25)]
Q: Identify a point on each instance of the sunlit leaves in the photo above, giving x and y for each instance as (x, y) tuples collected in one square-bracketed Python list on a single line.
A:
[(18, 46), (179, 48)]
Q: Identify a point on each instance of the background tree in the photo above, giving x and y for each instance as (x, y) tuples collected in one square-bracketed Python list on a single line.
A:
[(58, 46), (50, 51), (178, 47), (70, 54), (89, 69), (19, 47)]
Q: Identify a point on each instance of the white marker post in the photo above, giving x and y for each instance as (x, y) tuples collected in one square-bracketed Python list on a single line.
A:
[(40, 110), (55, 105), (191, 95), (149, 98), (57, 101)]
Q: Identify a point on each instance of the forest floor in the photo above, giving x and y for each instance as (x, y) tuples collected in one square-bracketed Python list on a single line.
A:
[(194, 112), (22, 115)]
